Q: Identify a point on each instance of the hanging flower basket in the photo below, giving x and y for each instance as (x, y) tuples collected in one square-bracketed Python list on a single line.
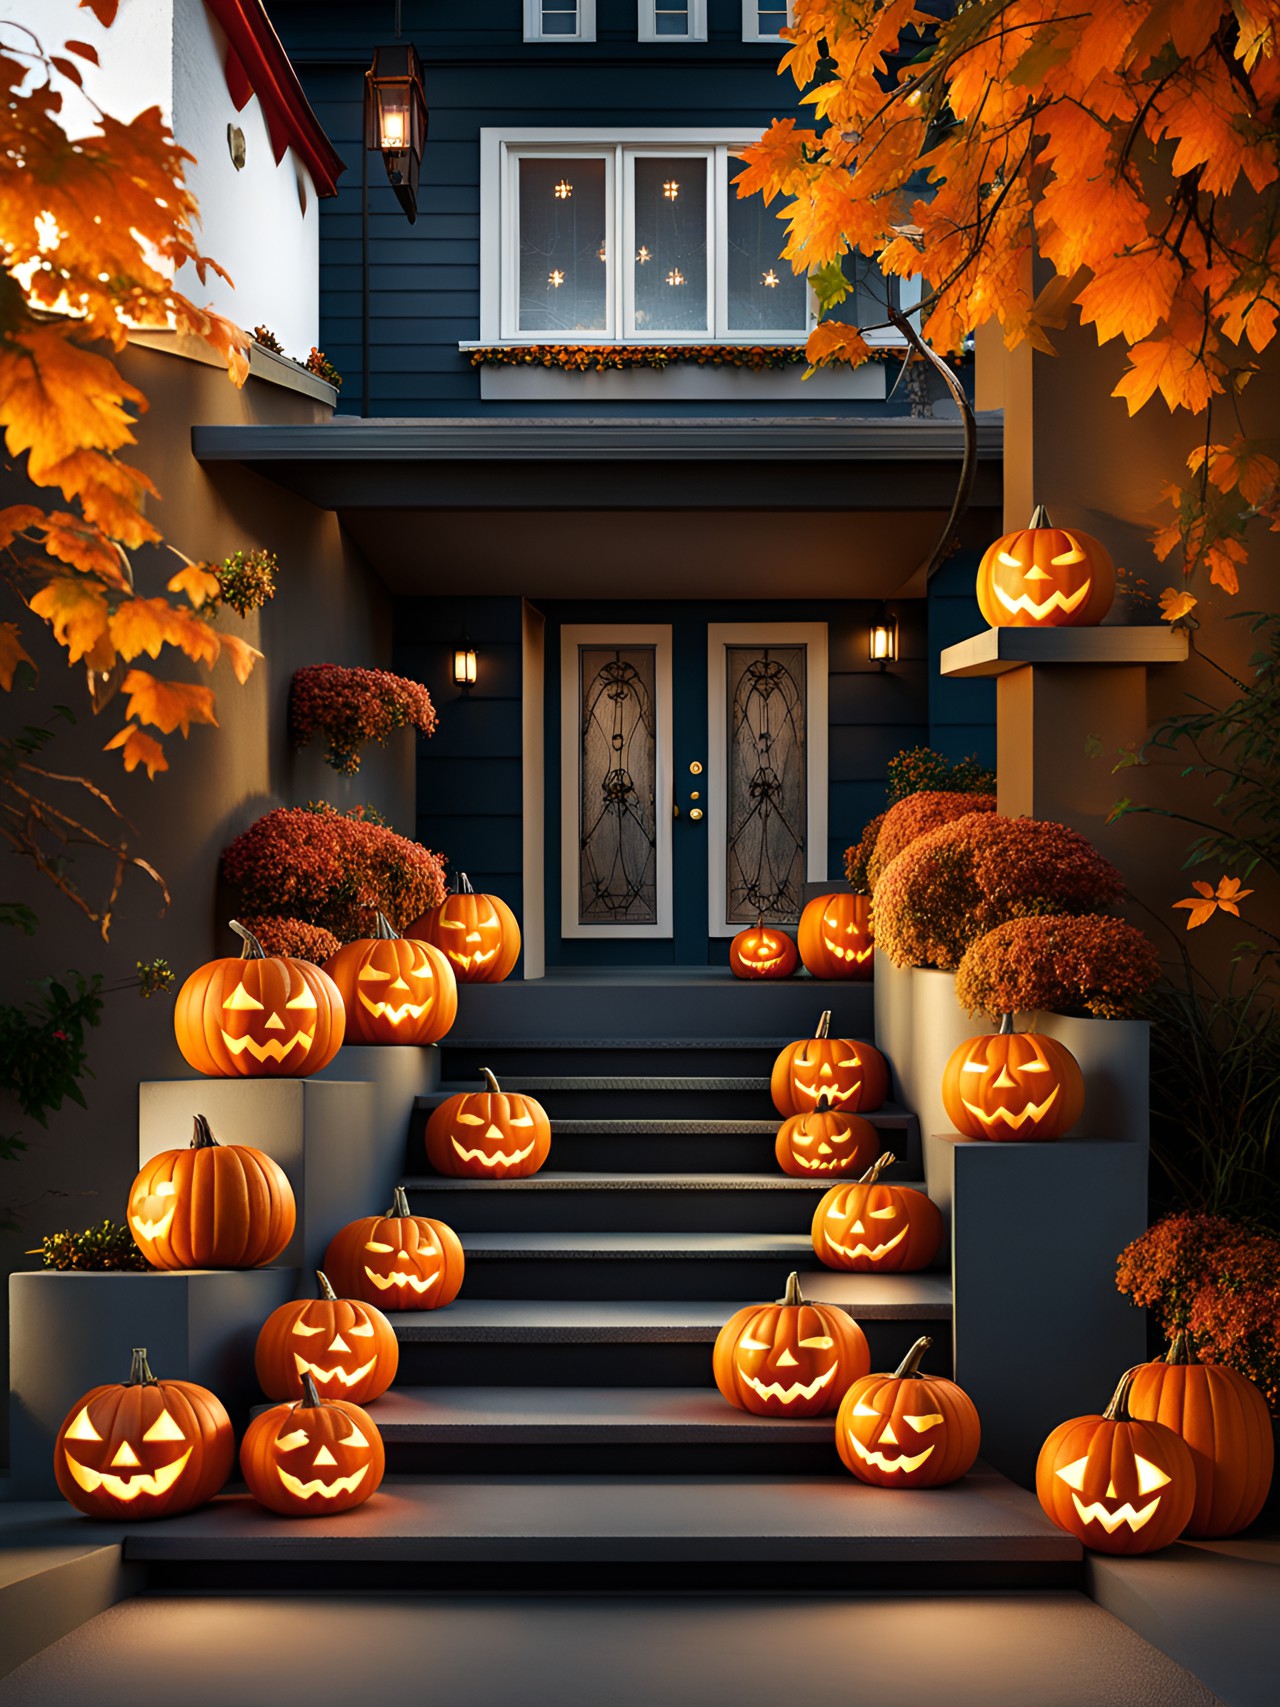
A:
[(354, 707)]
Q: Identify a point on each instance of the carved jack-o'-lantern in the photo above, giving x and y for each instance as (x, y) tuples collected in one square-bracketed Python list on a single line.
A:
[(1046, 577), (824, 1142), (399, 1261), (836, 939), (477, 933), (262, 1016), (1118, 1485), (907, 1430), (144, 1448), (313, 1458), (763, 951), (852, 1076), (396, 989), (869, 1227), (790, 1359), (347, 1347), (1012, 1084), (489, 1134), (211, 1206)]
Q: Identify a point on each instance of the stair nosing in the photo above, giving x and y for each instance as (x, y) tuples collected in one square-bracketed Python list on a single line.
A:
[(549, 1181)]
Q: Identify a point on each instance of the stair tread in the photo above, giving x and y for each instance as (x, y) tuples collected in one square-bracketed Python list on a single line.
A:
[(548, 1180), (589, 1243), (452, 1043), (570, 1414), (625, 1082), (606, 1126)]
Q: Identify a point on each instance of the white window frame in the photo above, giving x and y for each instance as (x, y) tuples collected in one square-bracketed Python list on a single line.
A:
[(647, 22), (586, 30), (751, 30)]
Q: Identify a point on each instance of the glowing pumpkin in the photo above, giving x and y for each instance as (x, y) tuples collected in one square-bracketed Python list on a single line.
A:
[(491, 1134), (211, 1206), (143, 1448), (396, 989), (262, 1016), (872, 1228), (1046, 577), (852, 1076), (477, 933), (1118, 1485), (836, 939), (763, 951), (1225, 1423), (907, 1430), (399, 1261), (790, 1359), (313, 1458), (823, 1142), (1012, 1084), (347, 1347)]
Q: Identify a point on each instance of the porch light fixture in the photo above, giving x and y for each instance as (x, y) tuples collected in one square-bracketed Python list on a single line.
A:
[(464, 665), (882, 645), (395, 119)]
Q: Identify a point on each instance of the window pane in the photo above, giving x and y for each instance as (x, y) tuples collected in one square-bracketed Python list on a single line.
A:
[(764, 294), (564, 273), (771, 18), (559, 20), (671, 20), (617, 822), (670, 260)]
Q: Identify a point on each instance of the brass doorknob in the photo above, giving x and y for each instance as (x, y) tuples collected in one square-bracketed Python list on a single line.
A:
[(696, 813)]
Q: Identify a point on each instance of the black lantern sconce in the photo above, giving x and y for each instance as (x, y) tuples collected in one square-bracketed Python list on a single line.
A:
[(882, 645), (464, 665), (395, 119)]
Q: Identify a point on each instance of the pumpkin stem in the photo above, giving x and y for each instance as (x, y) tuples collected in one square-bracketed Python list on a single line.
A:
[(877, 1168), (792, 1294), (1182, 1348), (1118, 1409), (400, 1205), (910, 1364), (202, 1138), (1006, 1025), (310, 1397), (383, 929), (326, 1288), (759, 920), (494, 1086), (1040, 518), (823, 1104), (464, 884), (824, 1025), (253, 949), (140, 1370)]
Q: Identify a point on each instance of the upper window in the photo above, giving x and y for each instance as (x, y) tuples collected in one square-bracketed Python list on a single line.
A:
[(762, 19), (559, 20), (661, 20)]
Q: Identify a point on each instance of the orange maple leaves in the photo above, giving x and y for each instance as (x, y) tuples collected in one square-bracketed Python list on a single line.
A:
[(1207, 900)]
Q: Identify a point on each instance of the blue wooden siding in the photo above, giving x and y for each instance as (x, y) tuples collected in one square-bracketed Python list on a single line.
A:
[(962, 711)]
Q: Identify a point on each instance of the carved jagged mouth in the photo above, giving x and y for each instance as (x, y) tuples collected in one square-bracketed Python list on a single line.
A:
[(384, 1282), (272, 1050), (832, 1092), (761, 966), (799, 1390), (152, 1229), (326, 1490), (878, 1460), (1033, 1111), (828, 1165), (464, 962), (386, 1010), (153, 1482), (1111, 1520), (321, 1377), (861, 1250), (856, 955), (487, 1161), (1066, 603)]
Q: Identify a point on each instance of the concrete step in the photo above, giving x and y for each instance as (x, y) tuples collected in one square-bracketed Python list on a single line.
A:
[(745, 1057), (635, 1096)]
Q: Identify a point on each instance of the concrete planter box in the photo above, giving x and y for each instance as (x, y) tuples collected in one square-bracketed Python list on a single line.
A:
[(892, 987), (680, 382)]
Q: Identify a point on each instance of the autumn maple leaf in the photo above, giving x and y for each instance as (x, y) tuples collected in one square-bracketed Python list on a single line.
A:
[(1207, 900), (12, 653), (1175, 604)]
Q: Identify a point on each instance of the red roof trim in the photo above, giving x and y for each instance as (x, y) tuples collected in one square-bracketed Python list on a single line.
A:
[(257, 64)]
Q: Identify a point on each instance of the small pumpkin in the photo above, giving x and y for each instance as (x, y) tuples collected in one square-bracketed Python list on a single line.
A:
[(908, 1430), (143, 1448), (1115, 1483), (489, 1134), (477, 933), (763, 951), (399, 1261), (852, 1075), (790, 1359), (870, 1228), (396, 989), (347, 1347), (824, 1142), (836, 938), (314, 1457), (1046, 577), (1226, 1425), (1012, 1085), (211, 1205), (261, 1016)]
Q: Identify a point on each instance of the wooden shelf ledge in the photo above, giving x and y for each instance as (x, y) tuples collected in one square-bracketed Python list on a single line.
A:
[(998, 650)]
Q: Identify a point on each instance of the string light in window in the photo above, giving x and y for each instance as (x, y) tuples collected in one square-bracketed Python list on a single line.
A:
[(643, 255), (555, 279), (671, 189), (675, 277), (563, 190), (603, 252), (770, 279)]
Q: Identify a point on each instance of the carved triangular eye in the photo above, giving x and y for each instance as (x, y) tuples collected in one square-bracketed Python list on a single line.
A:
[(1073, 1474), (1074, 555), (862, 1409), (522, 1120), (372, 972), (1150, 1476), (1009, 562), (293, 1440), (164, 1428), (355, 1438), (240, 998), (302, 1328), (754, 1345), (821, 1342), (882, 1214), (922, 1423), (305, 998), (364, 1331), (82, 1428), (375, 1245)]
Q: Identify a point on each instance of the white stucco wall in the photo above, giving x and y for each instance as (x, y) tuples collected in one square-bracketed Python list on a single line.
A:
[(170, 53)]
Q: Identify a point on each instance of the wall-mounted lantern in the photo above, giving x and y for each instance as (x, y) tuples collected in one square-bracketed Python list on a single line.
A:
[(882, 646), (464, 665), (395, 118)]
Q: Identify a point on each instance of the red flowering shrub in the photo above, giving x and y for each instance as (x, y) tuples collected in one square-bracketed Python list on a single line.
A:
[(354, 707), (914, 816), (1220, 1280), (325, 868), (1061, 964), (956, 883), (856, 857), (294, 937)]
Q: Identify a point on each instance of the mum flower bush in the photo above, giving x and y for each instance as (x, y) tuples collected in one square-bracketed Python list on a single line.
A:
[(857, 858), (294, 938), (323, 867), (954, 884), (913, 816), (1060, 964), (354, 707), (920, 768)]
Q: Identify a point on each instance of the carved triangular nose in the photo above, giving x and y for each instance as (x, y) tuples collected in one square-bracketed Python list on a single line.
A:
[(339, 1344), (889, 1435), (1111, 1490), (1004, 1082), (324, 1456), (786, 1361), (126, 1458), (857, 1227), (275, 1023)]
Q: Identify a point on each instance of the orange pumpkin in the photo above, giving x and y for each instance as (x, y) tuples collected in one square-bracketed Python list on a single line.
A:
[(853, 1076), (872, 1228), (1118, 1485), (823, 1142), (1012, 1084), (261, 1016), (763, 951), (399, 1261), (211, 1205), (396, 989), (836, 939), (348, 1348), (313, 1458), (1046, 577), (143, 1448), (489, 1134), (1226, 1425), (908, 1430), (790, 1359), (477, 933)]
